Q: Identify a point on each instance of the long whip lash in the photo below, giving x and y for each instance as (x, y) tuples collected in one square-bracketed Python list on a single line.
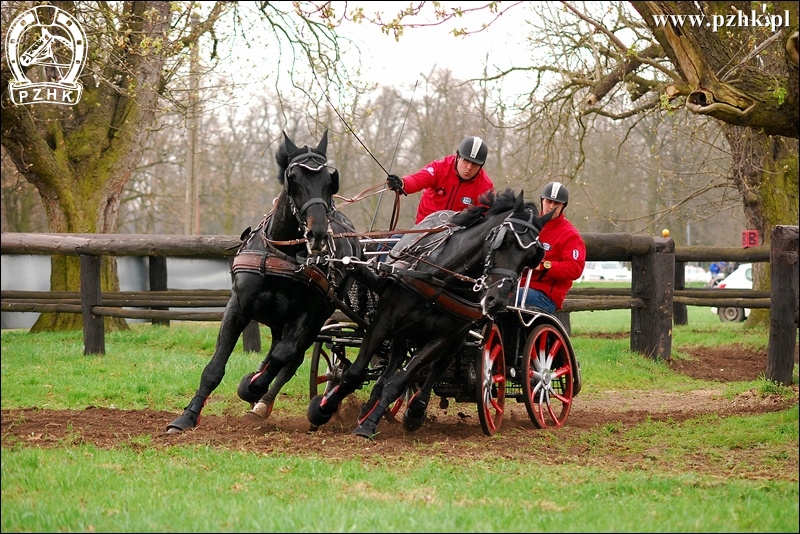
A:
[(396, 148), (325, 93)]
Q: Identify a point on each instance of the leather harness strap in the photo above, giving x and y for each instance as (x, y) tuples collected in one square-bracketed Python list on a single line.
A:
[(446, 301), (262, 263)]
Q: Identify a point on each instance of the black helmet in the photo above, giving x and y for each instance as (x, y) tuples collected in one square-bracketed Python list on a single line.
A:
[(557, 192), (473, 149)]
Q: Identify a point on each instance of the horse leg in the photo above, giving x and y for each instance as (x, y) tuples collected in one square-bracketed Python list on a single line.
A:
[(244, 390), (263, 408), (232, 326), (414, 415), (397, 355), (321, 408), (285, 357), (397, 385)]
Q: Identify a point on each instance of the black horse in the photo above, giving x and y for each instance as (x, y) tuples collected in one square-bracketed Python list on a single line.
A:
[(437, 288), (289, 274)]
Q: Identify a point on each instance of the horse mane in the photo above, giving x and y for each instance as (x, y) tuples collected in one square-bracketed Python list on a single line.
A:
[(489, 203)]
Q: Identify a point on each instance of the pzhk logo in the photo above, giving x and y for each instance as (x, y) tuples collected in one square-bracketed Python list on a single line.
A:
[(46, 51)]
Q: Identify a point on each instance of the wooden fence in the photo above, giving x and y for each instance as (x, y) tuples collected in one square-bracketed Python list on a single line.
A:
[(657, 296)]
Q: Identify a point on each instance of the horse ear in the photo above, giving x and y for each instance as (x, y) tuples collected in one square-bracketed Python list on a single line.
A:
[(519, 203), (543, 220), (323, 143), (335, 181), (291, 148)]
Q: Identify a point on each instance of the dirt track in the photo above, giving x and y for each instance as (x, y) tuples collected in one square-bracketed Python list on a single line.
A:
[(452, 431)]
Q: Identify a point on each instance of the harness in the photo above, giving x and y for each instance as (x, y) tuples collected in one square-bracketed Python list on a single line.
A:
[(433, 290), (271, 261), (266, 263)]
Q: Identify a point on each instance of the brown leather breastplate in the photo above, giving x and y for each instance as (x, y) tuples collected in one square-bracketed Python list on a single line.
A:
[(446, 301), (263, 263)]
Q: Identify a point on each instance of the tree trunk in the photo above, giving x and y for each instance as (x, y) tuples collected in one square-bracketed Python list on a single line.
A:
[(759, 91), (80, 157), (765, 170)]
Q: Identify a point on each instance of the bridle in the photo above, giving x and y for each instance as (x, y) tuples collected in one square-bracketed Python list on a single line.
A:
[(518, 228), (313, 162)]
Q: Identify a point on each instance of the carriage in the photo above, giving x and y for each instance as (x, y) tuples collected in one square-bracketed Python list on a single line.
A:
[(305, 260), (490, 368)]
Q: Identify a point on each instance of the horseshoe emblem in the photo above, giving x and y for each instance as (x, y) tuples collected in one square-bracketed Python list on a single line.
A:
[(46, 52)]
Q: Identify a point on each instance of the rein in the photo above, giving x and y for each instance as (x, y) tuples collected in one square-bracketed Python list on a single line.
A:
[(495, 238), (376, 233), (374, 190)]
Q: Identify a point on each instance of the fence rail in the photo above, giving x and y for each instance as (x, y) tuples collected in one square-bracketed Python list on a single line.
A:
[(656, 298)]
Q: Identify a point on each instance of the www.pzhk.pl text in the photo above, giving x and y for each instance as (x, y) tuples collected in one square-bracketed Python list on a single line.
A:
[(736, 20)]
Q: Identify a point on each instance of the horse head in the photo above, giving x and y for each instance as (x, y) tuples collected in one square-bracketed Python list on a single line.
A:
[(512, 246), (308, 188)]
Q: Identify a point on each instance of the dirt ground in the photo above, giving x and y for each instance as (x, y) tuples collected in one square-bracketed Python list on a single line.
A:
[(455, 430)]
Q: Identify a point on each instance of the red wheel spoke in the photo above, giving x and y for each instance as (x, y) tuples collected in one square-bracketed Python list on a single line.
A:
[(548, 367), (561, 371), (491, 381)]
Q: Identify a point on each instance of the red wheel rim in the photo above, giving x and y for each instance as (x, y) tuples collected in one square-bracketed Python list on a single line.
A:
[(548, 377), (491, 382)]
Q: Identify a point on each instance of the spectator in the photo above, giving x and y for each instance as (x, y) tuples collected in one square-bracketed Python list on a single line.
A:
[(452, 183), (546, 286)]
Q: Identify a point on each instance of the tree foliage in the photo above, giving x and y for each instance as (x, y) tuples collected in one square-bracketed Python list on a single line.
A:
[(732, 61)]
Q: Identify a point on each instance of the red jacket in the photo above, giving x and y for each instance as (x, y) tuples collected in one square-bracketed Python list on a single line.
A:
[(566, 252), (443, 189)]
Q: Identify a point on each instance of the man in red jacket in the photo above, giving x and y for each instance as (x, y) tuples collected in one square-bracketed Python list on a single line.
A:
[(452, 183), (565, 255)]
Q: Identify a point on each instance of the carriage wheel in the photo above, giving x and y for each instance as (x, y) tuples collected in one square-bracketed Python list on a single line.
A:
[(549, 387), (333, 366), (491, 383)]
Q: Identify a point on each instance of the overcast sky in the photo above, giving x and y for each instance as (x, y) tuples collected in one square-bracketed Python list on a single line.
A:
[(421, 49)]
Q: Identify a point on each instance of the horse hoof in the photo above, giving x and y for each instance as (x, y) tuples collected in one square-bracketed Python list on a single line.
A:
[(244, 390), (262, 409), (315, 413), (414, 416), (180, 424), (412, 423), (364, 433)]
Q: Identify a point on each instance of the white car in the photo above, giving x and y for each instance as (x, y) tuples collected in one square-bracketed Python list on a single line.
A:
[(606, 271), (741, 278)]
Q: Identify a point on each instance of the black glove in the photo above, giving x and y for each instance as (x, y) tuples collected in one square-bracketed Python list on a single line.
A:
[(395, 183)]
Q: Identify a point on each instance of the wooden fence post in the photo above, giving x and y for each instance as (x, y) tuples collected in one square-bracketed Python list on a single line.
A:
[(157, 271), (564, 318), (94, 335), (784, 313), (680, 315), (251, 337), (653, 279)]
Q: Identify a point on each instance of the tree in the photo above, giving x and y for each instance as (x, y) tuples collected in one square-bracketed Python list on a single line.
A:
[(80, 157), (724, 60)]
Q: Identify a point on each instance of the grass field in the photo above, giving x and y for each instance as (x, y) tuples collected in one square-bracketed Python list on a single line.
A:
[(703, 474)]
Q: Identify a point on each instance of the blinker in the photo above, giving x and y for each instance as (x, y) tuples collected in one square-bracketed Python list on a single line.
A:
[(498, 239)]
